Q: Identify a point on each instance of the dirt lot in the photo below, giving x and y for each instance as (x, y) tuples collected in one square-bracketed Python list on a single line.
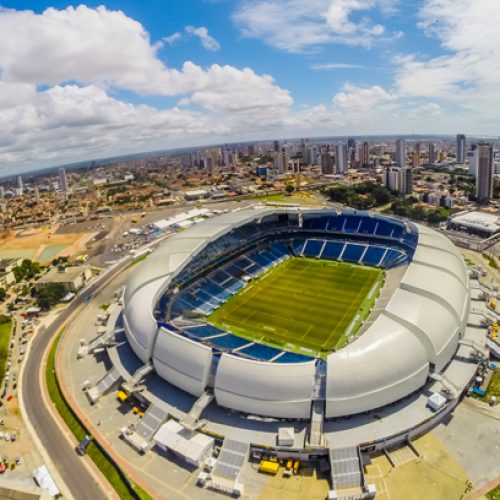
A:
[(305, 485), (435, 474), (42, 244)]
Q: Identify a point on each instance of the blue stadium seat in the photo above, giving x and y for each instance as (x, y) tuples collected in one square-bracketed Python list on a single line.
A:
[(397, 232), (315, 223), (235, 271), (373, 255), (291, 357), (332, 250), (214, 290), (203, 331), (206, 297), (313, 248), (384, 228), (219, 277), (368, 225), (298, 245), (352, 224), (336, 223), (393, 258), (353, 253), (229, 342), (260, 352)]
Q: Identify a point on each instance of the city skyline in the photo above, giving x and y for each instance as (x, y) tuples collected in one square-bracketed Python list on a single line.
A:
[(121, 79)]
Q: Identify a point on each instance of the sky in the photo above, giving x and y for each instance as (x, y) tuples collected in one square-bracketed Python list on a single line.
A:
[(93, 80)]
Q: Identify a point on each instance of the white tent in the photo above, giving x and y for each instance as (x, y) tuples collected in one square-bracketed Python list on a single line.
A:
[(45, 481), (194, 447)]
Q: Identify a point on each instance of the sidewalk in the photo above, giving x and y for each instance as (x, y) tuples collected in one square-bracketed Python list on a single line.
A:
[(94, 430)]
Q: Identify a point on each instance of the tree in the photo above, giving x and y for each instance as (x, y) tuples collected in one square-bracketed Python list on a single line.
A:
[(50, 295), (289, 188), (3, 294), (381, 195), (434, 218), (27, 270)]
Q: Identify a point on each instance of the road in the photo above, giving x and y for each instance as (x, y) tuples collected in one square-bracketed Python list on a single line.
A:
[(77, 477)]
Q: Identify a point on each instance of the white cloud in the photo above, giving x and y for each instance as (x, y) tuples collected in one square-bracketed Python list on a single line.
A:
[(337, 17), (353, 98), (296, 25), (208, 42), (171, 39), (99, 46), (468, 73), (84, 56), (431, 109), (334, 66)]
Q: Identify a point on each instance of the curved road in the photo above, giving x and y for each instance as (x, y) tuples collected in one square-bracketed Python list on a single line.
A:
[(75, 474)]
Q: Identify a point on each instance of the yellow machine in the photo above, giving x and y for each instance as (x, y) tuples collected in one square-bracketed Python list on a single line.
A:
[(493, 303), (122, 397), (269, 467)]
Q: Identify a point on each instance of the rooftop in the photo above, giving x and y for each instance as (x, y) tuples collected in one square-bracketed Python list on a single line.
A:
[(57, 275), (479, 220)]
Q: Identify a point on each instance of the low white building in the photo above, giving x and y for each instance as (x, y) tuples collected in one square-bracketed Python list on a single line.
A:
[(193, 447), (72, 278)]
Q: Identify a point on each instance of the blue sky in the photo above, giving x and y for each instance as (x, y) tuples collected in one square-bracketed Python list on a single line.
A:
[(99, 79)]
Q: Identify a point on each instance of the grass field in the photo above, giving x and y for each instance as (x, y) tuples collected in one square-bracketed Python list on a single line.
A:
[(107, 468), (493, 388), (302, 304), (5, 329)]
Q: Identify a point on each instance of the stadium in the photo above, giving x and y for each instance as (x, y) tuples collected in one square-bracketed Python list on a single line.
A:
[(300, 314)]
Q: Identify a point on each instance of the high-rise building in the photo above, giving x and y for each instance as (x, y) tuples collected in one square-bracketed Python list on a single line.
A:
[(399, 179), (461, 148), (63, 181), (327, 166), (472, 159), (276, 146), (365, 154), (208, 163), (392, 178), (311, 156), (401, 152), (341, 158), (19, 190), (416, 154), (280, 162), (432, 153), (406, 181), (2, 192), (352, 150), (484, 179), (227, 158)]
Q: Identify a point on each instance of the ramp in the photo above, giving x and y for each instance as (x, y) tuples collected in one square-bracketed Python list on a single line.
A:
[(108, 336), (190, 420), (316, 436), (346, 471), (110, 381), (226, 473), (153, 419), (494, 348)]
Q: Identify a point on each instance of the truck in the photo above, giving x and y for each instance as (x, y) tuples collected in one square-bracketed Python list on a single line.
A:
[(81, 448)]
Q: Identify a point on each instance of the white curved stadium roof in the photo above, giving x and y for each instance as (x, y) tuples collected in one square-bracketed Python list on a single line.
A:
[(417, 333)]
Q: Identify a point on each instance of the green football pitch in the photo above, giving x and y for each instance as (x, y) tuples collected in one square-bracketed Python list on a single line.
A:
[(302, 305)]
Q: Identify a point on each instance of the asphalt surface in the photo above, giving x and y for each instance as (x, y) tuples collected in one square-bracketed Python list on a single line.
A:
[(70, 466)]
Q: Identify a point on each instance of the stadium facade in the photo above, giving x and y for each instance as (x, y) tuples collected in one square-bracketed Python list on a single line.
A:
[(413, 338)]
